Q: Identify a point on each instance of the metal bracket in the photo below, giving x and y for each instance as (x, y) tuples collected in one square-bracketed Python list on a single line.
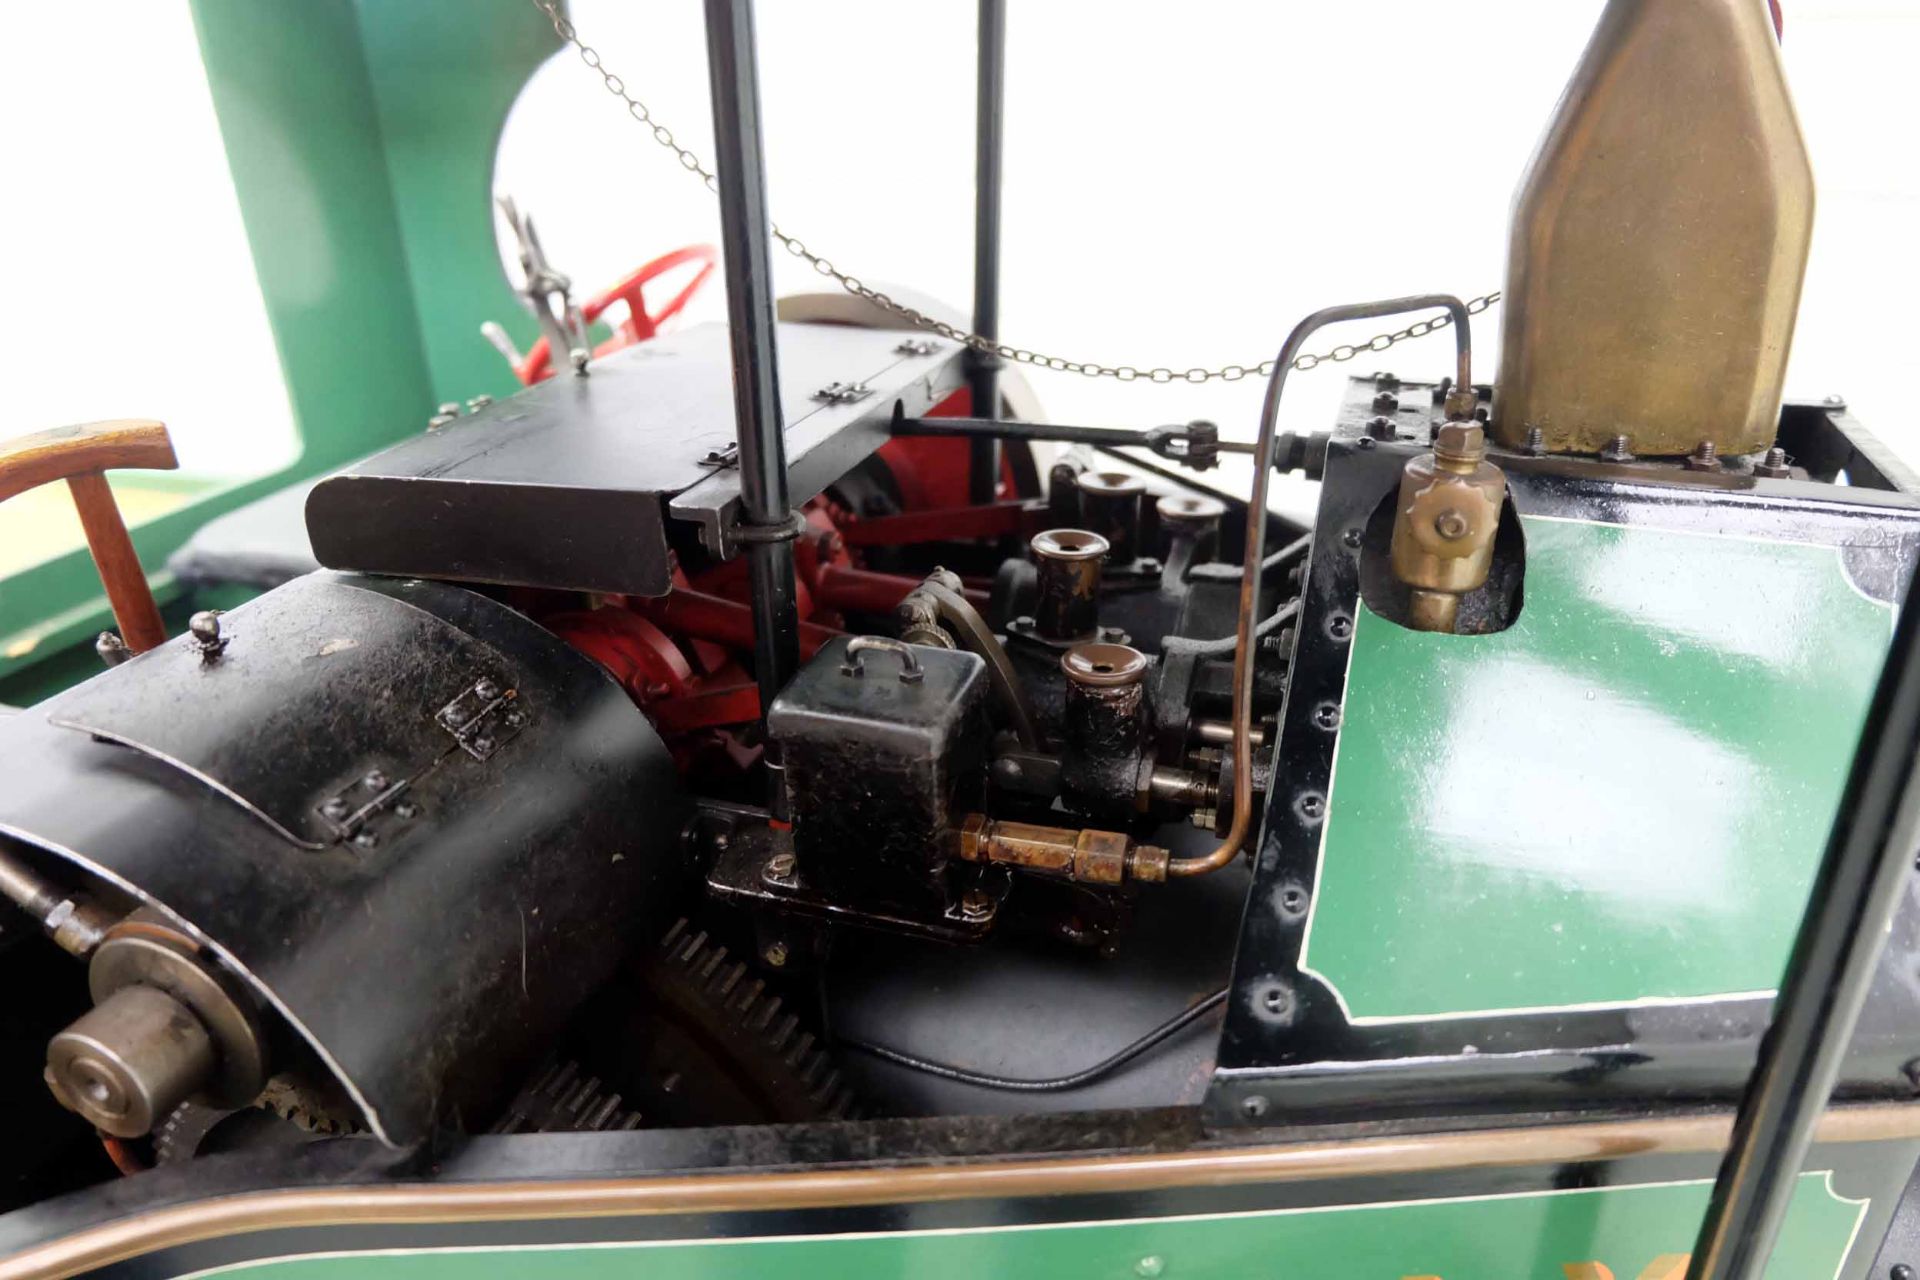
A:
[(843, 392), (349, 812), (484, 717)]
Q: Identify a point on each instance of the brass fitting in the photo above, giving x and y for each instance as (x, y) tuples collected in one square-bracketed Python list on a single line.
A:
[(1086, 856), (1443, 528)]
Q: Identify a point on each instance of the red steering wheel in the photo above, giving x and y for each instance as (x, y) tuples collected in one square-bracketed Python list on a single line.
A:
[(640, 323)]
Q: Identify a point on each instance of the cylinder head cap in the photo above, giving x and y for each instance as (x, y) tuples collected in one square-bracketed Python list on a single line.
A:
[(1116, 484), (1069, 544), (1104, 665)]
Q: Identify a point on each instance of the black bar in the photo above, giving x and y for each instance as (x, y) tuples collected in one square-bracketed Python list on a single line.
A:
[(746, 240), (983, 367), (1005, 429), (1860, 882)]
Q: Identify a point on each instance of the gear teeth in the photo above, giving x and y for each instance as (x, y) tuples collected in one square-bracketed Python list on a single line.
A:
[(734, 988)]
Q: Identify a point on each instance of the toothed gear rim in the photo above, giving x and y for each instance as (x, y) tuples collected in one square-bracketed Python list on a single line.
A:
[(702, 1040)]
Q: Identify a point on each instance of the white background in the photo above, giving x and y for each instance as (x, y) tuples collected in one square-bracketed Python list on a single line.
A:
[(1183, 182)]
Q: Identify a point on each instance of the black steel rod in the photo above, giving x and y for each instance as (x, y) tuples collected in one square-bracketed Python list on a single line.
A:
[(1859, 884), (983, 367), (746, 242), (1005, 429)]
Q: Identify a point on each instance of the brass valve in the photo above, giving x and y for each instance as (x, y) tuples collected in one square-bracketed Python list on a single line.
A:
[(1087, 856), (1443, 527)]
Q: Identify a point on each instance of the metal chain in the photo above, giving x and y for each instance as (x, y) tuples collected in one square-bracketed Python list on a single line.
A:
[(1018, 355)]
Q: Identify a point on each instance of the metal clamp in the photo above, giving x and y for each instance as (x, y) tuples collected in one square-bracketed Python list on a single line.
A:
[(786, 531), (910, 669)]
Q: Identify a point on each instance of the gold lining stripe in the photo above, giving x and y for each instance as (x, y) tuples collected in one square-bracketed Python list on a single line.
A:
[(403, 1203)]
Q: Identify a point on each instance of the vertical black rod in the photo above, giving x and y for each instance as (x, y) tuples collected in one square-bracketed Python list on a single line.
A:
[(1860, 881), (983, 367), (746, 240)]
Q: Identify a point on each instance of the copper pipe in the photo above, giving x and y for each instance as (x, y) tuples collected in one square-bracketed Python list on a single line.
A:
[(1287, 1159), (1256, 541)]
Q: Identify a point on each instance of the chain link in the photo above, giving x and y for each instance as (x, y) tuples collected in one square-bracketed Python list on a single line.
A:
[(1016, 355)]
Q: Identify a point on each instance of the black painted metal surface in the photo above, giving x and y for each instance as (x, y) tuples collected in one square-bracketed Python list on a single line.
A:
[(880, 766), (568, 483), (427, 954)]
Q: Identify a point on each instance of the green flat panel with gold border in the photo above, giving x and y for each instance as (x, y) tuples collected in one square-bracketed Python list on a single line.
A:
[(1620, 798), (1630, 1231)]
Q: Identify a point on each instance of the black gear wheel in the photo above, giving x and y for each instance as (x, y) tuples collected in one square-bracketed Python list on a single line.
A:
[(699, 1040), (563, 1099)]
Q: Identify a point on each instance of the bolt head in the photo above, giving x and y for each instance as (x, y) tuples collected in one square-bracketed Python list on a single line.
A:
[(1386, 402), (484, 745), (486, 690), (775, 954), (335, 808), (780, 866), (406, 809), (366, 840), (1452, 525), (376, 780)]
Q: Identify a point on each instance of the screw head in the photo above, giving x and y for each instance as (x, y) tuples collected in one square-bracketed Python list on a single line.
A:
[(1149, 1266), (1254, 1106), (1327, 715), (484, 745), (486, 690), (780, 867), (1340, 626), (1774, 465), (406, 809), (366, 840), (1451, 525), (335, 808), (976, 905), (1352, 538), (1311, 806), (775, 954), (204, 626), (376, 780)]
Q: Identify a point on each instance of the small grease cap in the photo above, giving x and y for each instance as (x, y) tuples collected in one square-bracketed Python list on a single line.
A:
[(1104, 665), (1069, 544)]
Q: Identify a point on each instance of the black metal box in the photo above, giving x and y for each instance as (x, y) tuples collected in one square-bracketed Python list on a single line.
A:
[(884, 748)]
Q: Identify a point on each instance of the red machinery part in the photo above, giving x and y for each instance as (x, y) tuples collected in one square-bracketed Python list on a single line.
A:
[(640, 324), (680, 656)]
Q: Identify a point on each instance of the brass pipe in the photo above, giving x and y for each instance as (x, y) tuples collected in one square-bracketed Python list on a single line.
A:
[(1256, 541)]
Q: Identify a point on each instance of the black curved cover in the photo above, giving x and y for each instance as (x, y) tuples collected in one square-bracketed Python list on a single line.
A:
[(424, 961)]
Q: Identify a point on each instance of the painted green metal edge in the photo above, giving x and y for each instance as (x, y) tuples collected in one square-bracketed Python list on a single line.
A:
[(1515, 1236)]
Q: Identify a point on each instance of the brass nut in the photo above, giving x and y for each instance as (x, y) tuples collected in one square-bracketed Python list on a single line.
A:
[(1100, 857)]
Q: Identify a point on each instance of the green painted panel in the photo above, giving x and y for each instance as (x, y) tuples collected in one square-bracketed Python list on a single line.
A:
[(1515, 1237), (1620, 798), (444, 76)]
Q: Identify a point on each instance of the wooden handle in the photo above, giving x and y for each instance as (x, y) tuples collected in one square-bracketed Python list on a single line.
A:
[(79, 455)]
